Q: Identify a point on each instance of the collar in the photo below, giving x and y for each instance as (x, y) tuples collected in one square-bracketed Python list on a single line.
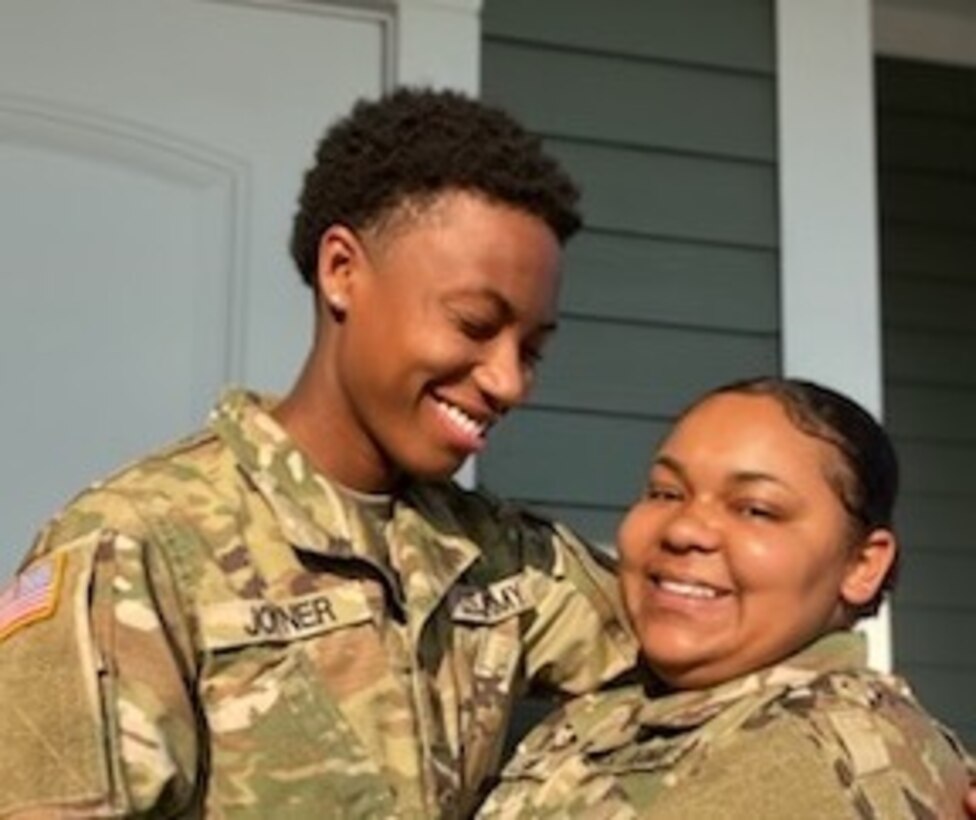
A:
[(840, 650), (616, 717), (425, 537)]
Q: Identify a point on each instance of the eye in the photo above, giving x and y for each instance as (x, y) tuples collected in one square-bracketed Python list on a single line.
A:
[(664, 493), (757, 510), (476, 328)]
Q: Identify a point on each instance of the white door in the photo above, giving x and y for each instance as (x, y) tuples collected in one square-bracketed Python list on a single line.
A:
[(150, 156)]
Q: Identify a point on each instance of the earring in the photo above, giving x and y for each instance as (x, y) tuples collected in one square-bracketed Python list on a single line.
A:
[(337, 305)]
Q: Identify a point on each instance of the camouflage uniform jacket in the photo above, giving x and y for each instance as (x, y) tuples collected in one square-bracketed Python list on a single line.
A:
[(219, 631), (817, 736)]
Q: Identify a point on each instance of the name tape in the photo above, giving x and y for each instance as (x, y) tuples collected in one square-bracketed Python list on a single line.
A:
[(239, 623), (489, 605)]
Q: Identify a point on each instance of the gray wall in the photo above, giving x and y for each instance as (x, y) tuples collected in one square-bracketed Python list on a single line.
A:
[(664, 112), (927, 139)]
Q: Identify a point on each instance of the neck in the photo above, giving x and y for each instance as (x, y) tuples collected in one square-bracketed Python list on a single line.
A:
[(316, 417)]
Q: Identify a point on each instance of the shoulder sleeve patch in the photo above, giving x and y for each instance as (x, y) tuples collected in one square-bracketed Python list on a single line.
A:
[(52, 733), (32, 595)]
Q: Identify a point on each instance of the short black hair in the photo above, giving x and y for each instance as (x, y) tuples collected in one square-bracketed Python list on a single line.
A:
[(414, 144), (868, 484)]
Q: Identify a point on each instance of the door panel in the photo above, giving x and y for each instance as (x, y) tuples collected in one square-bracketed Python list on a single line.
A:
[(150, 155)]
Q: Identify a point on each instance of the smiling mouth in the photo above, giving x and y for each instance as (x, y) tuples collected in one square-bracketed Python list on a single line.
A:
[(696, 590), (466, 425)]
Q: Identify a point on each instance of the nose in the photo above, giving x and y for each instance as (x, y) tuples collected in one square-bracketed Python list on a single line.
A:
[(503, 375), (691, 529)]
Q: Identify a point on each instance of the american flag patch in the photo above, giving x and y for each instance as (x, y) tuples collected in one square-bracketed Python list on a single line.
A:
[(31, 596)]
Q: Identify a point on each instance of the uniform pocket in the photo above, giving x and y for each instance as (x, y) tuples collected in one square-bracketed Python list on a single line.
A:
[(488, 623), (279, 736)]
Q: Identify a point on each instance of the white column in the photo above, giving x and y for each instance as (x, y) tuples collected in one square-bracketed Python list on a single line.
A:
[(828, 209), (438, 43)]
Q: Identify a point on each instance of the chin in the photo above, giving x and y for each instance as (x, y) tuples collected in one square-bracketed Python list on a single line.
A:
[(433, 472), (687, 676), (686, 667), (677, 673)]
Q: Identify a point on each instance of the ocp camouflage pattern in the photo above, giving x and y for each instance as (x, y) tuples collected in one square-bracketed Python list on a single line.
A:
[(237, 637), (817, 736)]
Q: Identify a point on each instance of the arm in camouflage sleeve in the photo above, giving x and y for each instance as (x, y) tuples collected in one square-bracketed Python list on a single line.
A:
[(97, 719), (580, 637)]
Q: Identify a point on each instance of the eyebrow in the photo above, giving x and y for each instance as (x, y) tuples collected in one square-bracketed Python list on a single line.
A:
[(738, 477), (672, 464)]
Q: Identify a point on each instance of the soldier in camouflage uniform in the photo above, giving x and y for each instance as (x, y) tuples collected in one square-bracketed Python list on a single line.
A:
[(296, 613), (763, 536)]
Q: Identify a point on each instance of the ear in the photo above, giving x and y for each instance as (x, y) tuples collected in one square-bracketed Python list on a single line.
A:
[(340, 255), (870, 561)]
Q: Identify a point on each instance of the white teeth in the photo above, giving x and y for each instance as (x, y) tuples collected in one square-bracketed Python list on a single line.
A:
[(462, 419), (688, 589)]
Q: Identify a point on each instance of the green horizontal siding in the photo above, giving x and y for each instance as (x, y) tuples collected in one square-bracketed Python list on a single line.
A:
[(664, 113), (915, 250), (942, 523), (673, 196), (927, 183), (929, 199), (934, 634), (921, 305), (934, 92), (943, 467), (934, 412), (681, 108), (940, 146), (944, 569), (731, 34), (931, 357), (643, 370), (600, 522), (552, 457), (940, 694), (638, 278)]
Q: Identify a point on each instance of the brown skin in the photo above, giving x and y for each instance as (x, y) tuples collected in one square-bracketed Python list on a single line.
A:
[(741, 551), (428, 331)]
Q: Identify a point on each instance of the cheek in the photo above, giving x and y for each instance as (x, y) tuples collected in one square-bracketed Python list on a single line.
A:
[(794, 567), (636, 536), (636, 539), (632, 589), (775, 561)]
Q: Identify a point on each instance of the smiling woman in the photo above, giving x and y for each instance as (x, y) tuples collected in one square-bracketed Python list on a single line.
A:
[(296, 611), (742, 549), (465, 292), (763, 535)]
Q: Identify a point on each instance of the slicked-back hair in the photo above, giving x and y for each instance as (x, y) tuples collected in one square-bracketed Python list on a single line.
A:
[(867, 484), (414, 144)]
